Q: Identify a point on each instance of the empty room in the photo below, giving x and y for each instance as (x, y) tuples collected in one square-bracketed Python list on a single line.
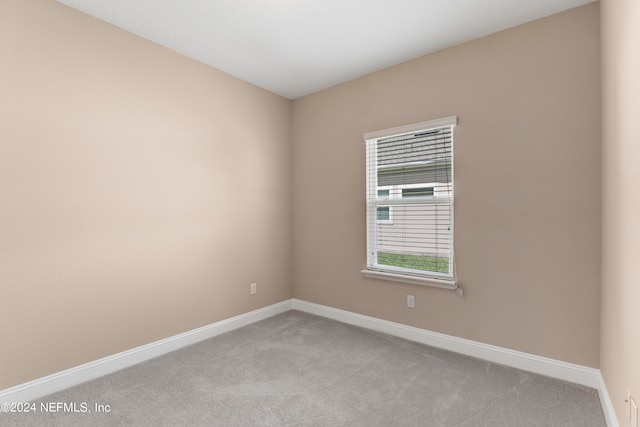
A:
[(319, 213)]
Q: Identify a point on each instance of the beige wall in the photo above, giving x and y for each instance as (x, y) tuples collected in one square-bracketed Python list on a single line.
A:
[(527, 181), (140, 192), (620, 345)]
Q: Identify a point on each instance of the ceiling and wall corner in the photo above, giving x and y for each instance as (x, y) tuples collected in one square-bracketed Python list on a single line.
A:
[(124, 170), (527, 177), (294, 48)]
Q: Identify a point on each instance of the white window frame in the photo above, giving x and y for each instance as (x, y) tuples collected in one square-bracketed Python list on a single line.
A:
[(397, 274)]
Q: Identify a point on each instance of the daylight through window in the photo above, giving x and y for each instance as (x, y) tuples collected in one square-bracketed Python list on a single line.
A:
[(410, 195)]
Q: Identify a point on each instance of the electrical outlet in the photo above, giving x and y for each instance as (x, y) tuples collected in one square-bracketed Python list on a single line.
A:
[(411, 301), (253, 288)]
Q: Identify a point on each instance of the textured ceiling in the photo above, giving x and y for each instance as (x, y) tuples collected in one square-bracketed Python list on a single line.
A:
[(296, 47)]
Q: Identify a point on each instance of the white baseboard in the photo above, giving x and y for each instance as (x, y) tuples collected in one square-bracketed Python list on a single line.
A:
[(605, 401), (41, 387), (578, 374), (570, 372)]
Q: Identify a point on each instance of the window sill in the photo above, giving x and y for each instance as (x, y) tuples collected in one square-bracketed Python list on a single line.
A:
[(414, 280)]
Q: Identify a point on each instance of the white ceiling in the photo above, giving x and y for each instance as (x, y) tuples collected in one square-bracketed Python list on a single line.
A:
[(296, 47)]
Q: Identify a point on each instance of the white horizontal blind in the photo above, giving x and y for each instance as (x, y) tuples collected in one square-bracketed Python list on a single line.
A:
[(410, 202)]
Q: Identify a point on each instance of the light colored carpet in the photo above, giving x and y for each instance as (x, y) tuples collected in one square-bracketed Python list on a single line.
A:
[(297, 369)]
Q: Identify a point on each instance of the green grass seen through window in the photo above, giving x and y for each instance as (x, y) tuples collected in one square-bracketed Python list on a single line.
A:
[(416, 262)]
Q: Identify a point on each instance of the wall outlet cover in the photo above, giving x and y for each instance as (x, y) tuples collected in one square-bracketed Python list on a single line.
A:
[(411, 301)]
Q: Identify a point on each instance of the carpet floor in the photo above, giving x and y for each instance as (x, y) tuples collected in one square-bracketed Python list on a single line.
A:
[(296, 369)]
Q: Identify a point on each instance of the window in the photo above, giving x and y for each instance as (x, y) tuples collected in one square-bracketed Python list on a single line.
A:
[(410, 173), (416, 192), (384, 212)]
